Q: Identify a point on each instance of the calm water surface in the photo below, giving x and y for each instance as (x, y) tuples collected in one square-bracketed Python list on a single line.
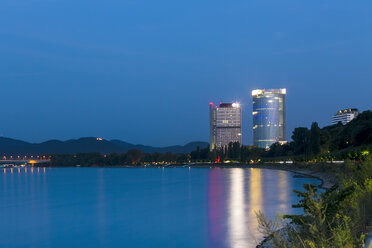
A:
[(116, 207)]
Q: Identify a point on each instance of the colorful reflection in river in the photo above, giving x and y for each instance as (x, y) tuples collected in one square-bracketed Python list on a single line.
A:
[(238, 229), (237, 195), (168, 207), (216, 206)]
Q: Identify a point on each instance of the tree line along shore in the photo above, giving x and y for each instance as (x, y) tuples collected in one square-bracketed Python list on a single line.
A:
[(315, 145)]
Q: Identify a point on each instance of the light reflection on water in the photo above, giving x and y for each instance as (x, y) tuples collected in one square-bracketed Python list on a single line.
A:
[(172, 207), (236, 210), (247, 191), (283, 191)]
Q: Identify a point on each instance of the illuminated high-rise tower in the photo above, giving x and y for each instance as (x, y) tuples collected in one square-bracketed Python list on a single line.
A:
[(225, 124), (268, 117)]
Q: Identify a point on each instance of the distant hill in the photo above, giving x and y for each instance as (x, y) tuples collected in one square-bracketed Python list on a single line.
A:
[(174, 149), (15, 147)]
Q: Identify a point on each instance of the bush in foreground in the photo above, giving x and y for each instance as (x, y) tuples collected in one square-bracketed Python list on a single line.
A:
[(336, 218)]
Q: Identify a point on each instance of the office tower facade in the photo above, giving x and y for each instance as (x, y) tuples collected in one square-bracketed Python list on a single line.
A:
[(269, 114), (345, 116), (225, 124)]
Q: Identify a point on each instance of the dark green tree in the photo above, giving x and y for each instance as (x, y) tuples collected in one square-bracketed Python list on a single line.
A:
[(226, 152), (301, 141), (134, 156), (315, 138), (244, 153), (325, 222), (195, 155), (230, 151), (236, 151)]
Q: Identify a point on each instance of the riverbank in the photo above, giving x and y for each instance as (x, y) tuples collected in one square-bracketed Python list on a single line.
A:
[(327, 180)]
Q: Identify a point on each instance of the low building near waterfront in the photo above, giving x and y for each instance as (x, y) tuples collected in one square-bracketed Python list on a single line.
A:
[(345, 116)]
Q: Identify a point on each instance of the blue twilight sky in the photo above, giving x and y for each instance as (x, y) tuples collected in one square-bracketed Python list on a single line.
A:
[(144, 71)]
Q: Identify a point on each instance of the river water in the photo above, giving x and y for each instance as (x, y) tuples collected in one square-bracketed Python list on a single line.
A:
[(141, 207)]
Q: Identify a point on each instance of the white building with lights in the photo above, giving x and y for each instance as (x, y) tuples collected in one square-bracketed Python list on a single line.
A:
[(225, 124), (345, 116)]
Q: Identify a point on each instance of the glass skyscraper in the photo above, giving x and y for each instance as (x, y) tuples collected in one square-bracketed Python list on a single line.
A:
[(269, 123)]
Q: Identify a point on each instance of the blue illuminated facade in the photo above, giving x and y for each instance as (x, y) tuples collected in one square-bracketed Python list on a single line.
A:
[(268, 117)]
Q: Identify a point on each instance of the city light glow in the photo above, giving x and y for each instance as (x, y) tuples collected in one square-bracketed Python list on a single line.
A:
[(236, 105), (256, 92)]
